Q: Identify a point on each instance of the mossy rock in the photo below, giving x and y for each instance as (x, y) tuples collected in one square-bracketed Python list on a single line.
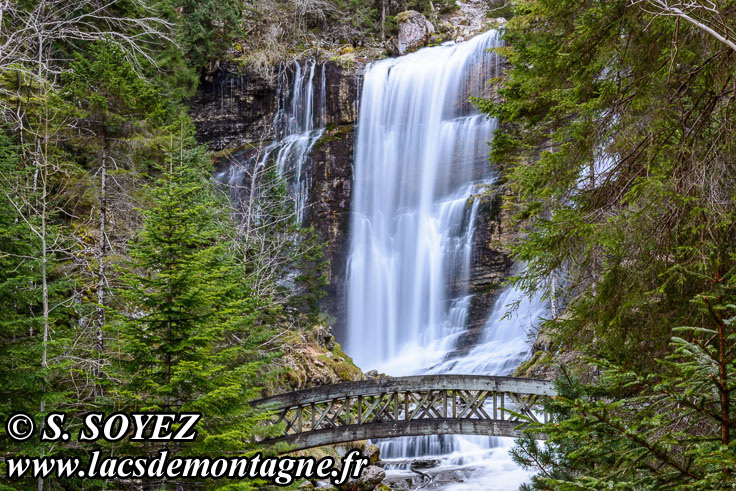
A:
[(404, 16), (332, 134), (341, 364)]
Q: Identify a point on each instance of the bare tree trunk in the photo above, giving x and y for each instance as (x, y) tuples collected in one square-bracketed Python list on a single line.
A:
[(383, 20), (553, 295), (102, 254), (42, 161)]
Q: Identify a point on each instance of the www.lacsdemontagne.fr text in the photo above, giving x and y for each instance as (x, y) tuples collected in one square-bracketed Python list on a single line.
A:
[(279, 470)]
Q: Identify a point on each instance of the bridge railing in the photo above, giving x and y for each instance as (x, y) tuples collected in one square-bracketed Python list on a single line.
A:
[(402, 406)]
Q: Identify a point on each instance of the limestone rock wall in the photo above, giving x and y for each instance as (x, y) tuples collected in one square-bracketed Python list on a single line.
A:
[(235, 106), (329, 210), (491, 262)]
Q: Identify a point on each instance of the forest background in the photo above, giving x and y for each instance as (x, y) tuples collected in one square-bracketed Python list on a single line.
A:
[(129, 280)]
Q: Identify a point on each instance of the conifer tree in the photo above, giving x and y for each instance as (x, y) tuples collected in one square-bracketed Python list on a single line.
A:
[(21, 373), (192, 337), (112, 106), (33, 365), (672, 428)]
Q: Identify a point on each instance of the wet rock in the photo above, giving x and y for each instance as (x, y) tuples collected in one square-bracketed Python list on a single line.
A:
[(414, 31), (435, 478), (329, 212), (421, 464), (371, 477), (373, 453), (490, 264), (235, 106)]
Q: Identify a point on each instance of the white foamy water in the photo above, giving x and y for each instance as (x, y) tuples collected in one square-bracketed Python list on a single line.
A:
[(421, 155), (299, 123)]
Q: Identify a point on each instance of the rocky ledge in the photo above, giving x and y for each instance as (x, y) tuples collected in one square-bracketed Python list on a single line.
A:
[(235, 107)]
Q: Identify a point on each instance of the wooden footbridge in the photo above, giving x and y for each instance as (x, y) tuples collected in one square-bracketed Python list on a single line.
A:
[(407, 406)]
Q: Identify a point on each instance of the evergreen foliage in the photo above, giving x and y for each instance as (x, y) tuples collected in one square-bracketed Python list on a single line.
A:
[(32, 361), (618, 144), (21, 373), (619, 147), (122, 285), (192, 333), (673, 428), (208, 28)]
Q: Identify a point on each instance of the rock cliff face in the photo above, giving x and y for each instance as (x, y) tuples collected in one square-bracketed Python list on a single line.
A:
[(232, 108), (234, 112), (329, 210), (235, 107), (491, 263)]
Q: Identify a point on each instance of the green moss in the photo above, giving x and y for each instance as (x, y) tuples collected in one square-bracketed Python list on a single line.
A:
[(402, 16), (539, 361), (341, 364), (332, 134)]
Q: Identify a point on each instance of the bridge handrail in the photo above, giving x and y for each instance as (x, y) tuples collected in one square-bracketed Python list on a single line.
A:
[(372, 387)]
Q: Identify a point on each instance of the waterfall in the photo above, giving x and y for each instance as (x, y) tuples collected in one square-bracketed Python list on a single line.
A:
[(299, 122), (420, 157), (421, 154)]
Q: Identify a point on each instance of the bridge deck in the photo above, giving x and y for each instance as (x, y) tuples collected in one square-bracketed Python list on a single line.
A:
[(407, 406)]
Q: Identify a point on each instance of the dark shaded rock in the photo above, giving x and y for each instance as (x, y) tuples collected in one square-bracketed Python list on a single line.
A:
[(235, 106), (329, 211), (424, 464), (232, 107), (490, 264)]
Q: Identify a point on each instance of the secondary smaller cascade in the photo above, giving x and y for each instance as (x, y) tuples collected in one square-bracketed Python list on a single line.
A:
[(299, 122)]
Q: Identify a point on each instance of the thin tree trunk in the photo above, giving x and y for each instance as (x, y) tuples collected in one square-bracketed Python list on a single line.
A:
[(383, 20), (42, 162), (102, 254), (591, 174), (725, 393)]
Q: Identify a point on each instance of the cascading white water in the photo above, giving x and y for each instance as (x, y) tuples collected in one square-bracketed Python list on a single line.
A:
[(298, 125), (421, 155)]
